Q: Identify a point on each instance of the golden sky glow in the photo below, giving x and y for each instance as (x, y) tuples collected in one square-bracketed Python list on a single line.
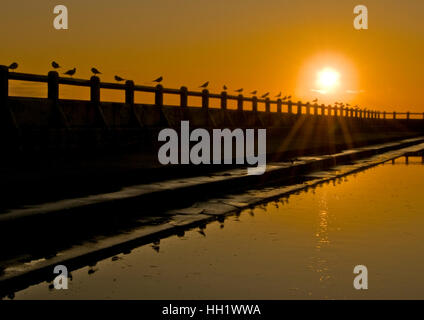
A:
[(264, 45)]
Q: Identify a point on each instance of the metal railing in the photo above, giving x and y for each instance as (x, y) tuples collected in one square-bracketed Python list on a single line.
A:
[(53, 81)]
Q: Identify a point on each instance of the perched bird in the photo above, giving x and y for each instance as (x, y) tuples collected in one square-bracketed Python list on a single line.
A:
[(13, 66), (205, 85), (158, 80), (278, 95), (95, 71), (285, 98), (315, 100), (119, 79), (55, 65), (239, 90), (254, 92), (289, 97), (265, 95), (347, 104), (71, 72), (224, 87)]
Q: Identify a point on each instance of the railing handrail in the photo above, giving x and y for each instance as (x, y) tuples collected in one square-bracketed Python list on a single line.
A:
[(53, 80)]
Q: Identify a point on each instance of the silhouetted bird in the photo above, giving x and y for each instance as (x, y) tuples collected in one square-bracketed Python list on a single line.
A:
[(95, 71), (239, 90), (289, 97), (254, 92), (13, 66), (119, 79), (224, 87), (205, 85), (265, 95), (278, 95), (55, 65), (347, 104), (285, 98), (158, 80), (315, 100), (71, 72)]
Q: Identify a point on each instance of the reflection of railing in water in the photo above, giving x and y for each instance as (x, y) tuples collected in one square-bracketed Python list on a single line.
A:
[(53, 81), (416, 154)]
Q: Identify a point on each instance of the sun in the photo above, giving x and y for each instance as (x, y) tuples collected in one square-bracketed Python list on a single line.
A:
[(328, 79)]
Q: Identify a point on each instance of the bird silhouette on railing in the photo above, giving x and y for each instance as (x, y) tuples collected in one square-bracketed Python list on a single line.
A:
[(70, 72), (205, 85), (265, 95), (289, 97), (278, 95), (55, 65), (239, 90), (119, 79), (13, 66), (158, 80), (315, 100), (254, 92), (224, 87), (95, 71), (285, 98)]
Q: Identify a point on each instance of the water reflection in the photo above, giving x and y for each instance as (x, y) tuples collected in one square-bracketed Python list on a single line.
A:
[(303, 248)]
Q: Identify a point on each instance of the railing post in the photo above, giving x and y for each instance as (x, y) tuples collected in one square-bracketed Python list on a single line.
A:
[(308, 108), (53, 95), (205, 99), (315, 109), (336, 111), (255, 104), (95, 98), (95, 89), (129, 100), (279, 106), (159, 95), (394, 114), (290, 107), (4, 87), (129, 92), (240, 102), (384, 115), (224, 100), (356, 113), (267, 105), (408, 115), (323, 109), (299, 108), (53, 85), (183, 97)]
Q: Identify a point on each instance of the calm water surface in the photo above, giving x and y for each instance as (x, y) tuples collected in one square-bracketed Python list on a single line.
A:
[(304, 246)]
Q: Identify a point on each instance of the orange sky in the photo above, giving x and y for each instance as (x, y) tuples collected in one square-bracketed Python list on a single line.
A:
[(265, 45)]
